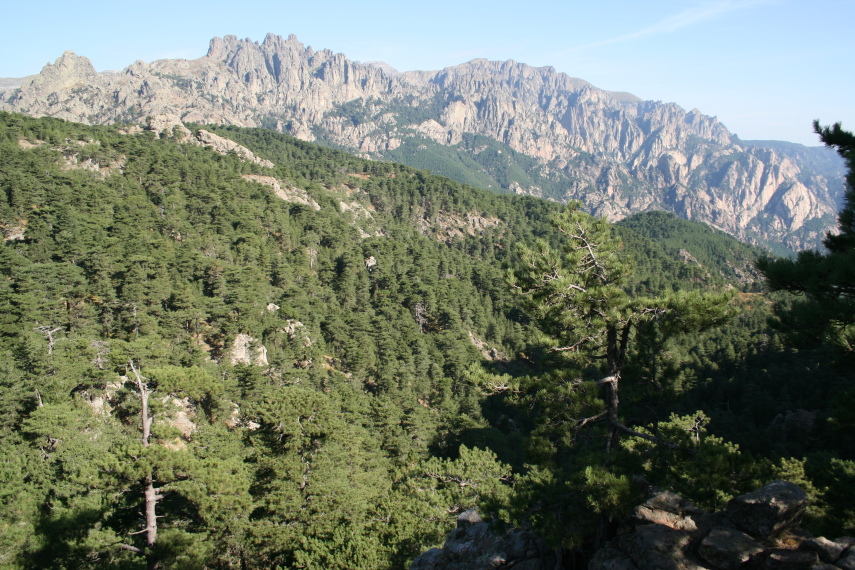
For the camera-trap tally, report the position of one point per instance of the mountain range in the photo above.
(504, 126)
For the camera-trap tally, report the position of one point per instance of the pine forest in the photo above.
(285, 356)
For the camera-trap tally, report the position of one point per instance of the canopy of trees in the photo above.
(824, 281)
(196, 372)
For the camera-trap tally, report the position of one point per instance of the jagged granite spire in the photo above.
(615, 152)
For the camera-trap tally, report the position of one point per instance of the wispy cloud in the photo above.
(684, 19)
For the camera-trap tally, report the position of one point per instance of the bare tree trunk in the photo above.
(151, 496)
(612, 402)
(420, 314)
(151, 561)
(613, 365)
(48, 332)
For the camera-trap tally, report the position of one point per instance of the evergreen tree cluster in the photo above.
(286, 386)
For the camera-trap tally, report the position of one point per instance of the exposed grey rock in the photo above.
(468, 518)
(287, 193)
(618, 154)
(666, 531)
(658, 547)
(13, 231)
(728, 549)
(226, 146)
(474, 546)
(772, 508)
(781, 559)
(168, 125)
(433, 558)
(669, 509)
(12, 82)
(828, 550)
(246, 350)
(384, 67)
(847, 561)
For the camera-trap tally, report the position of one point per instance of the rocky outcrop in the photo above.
(13, 230)
(247, 350)
(446, 227)
(759, 530)
(171, 126)
(616, 153)
(767, 511)
(287, 193)
(473, 546)
(226, 146)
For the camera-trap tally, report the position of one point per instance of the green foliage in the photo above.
(576, 294)
(701, 256)
(697, 464)
(332, 386)
(826, 312)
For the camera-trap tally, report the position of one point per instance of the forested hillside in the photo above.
(207, 362)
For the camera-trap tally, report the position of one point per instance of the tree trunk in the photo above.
(611, 382)
(151, 561)
(151, 496)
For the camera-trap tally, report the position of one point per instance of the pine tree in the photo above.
(824, 282)
(576, 294)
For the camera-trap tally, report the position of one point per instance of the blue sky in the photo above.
(765, 68)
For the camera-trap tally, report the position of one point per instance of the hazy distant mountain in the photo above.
(12, 82)
(500, 125)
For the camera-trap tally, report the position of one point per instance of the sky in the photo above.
(765, 68)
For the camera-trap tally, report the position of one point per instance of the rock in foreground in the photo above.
(666, 533)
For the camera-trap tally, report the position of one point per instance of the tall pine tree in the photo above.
(576, 294)
(823, 281)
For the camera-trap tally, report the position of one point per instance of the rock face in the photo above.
(166, 125)
(247, 350)
(618, 154)
(758, 530)
(766, 511)
(670, 533)
(473, 546)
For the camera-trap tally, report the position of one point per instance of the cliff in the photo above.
(504, 125)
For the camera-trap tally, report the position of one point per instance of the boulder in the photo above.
(658, 547)
(666, 532)
(847, 561)
(609, 558)
(669, 509)
(783, 559)
(769, 510)
(669, 532)
(727, 548)
(474, 546)
(827, 550)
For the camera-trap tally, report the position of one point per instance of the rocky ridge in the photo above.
(618, 154)
(758, 530)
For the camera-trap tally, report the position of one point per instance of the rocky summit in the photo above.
(504, 125)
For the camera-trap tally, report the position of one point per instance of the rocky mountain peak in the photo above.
(566, 138)
(384, 67)
(68, 71)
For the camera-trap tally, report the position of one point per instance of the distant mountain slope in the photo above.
(714, 252)
(500, 125)
(12, 82)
